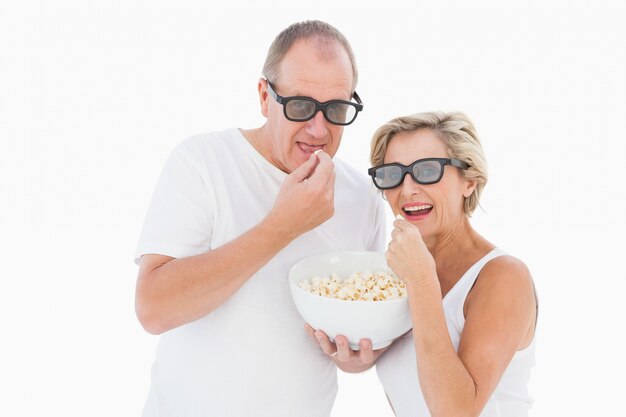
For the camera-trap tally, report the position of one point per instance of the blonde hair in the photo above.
(309, 29)
(455, 130)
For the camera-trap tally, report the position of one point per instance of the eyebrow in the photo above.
(298, 93)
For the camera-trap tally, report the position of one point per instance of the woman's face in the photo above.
(434, 208)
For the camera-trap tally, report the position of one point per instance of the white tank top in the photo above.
(397, 368)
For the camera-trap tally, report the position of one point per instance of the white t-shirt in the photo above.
(250, 356)
(397, 367)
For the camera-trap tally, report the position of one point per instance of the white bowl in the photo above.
(379, 321)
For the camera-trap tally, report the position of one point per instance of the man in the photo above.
(231, 213)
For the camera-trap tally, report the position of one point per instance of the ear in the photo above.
(470, 186)
(263, 95)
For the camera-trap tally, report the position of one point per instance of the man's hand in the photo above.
(306, 197)
(346, 359)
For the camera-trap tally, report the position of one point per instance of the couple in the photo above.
(234, 210)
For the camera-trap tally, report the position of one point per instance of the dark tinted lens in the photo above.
(427, 171)
(299, 109)
(389, 176)
(340, 112)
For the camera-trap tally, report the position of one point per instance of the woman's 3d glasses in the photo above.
(423, 171)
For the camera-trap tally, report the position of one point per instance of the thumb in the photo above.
(305, 170)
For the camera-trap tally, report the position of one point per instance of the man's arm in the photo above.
(174, 291)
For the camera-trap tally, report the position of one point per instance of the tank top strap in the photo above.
(455, 298)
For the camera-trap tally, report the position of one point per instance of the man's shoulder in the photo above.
(351, 174)
(210, 139)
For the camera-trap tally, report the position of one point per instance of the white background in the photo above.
(95, 94)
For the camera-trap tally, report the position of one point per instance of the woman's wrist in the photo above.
(423, 286)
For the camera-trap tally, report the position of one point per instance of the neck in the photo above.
(451, 240)
(456, 249)
(258, 138)
(255, 138)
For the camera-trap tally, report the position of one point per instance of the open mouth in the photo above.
(309, 148)
(418, 210)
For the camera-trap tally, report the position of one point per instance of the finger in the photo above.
(327, 346)
(399, 222)
(379, 352)
(321, 155)
(329, 193)
(344, 353)
(323, 170)
(311, 332)
(388, 255)
(395, 232)
(331, 180)
(366, 354)
(390, 259)
(305, 170)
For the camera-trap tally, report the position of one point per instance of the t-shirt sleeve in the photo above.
(179, 221)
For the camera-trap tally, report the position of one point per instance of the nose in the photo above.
(409, 186)
(316, 127)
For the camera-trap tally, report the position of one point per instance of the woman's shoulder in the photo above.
(505, 267)
(504, 276)
(504, 288)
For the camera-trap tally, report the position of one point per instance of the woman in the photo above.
(473, 307)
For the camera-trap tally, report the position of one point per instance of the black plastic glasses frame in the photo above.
(318, 106)
(409, 169)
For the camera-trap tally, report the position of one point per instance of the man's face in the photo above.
(322, 72)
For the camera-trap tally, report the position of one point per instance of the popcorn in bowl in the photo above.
(371, 303)
(359, 286)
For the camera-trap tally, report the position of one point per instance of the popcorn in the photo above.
(360, 286)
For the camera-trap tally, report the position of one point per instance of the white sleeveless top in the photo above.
(397, 368)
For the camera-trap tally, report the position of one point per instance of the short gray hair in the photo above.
(304, 30)
(456, 131)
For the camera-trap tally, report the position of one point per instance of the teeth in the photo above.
(310, 148)
(417, 208)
